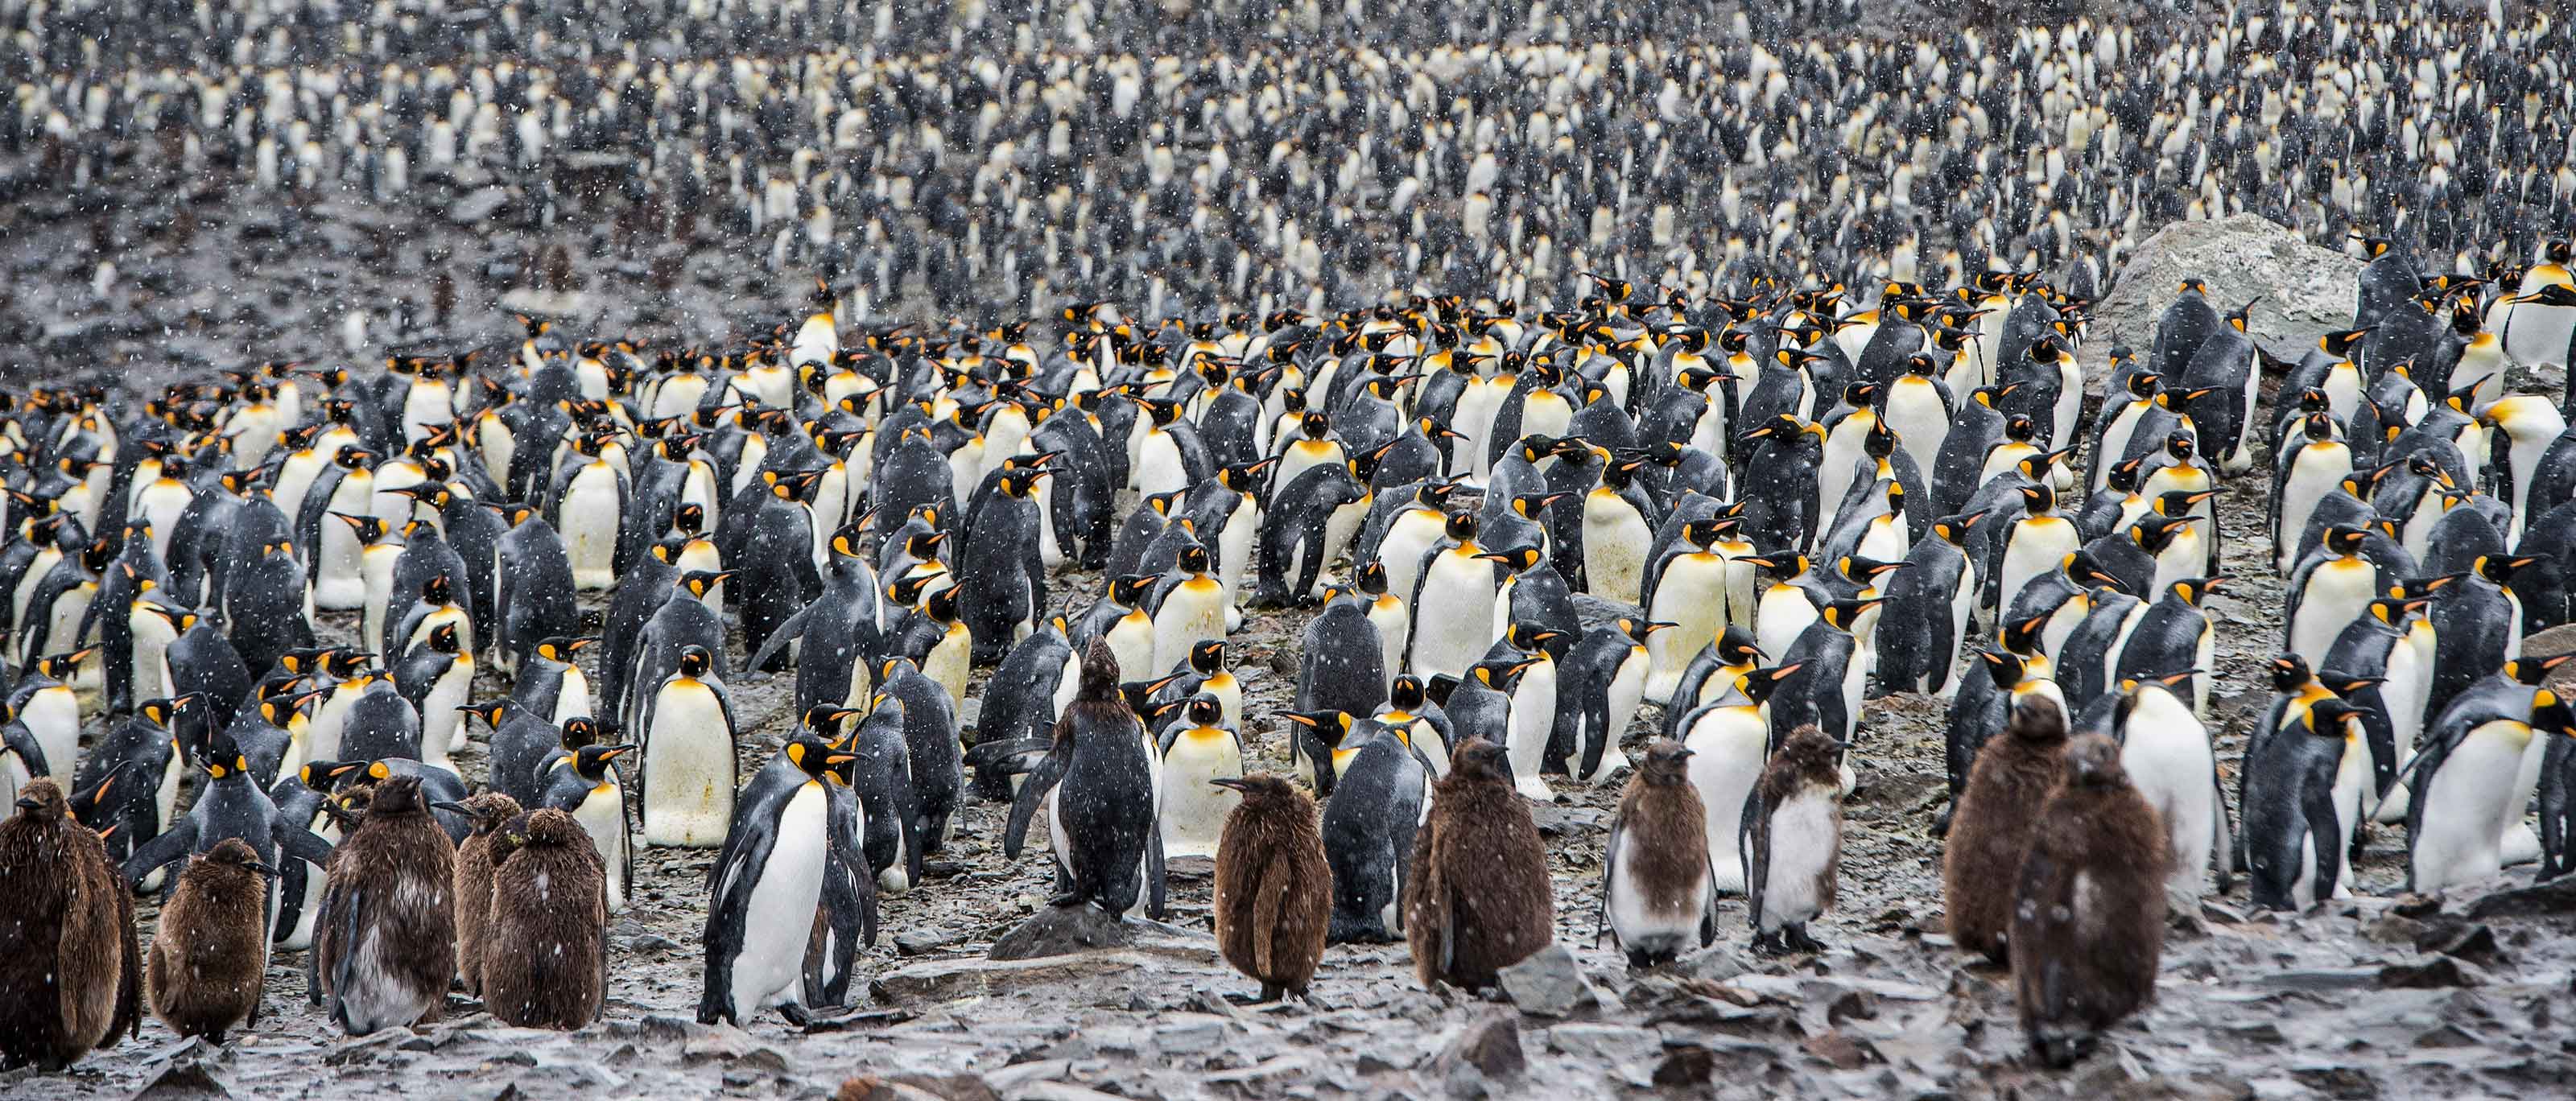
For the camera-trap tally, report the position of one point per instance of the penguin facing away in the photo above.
(1478, 899)
(1991, 829)
(209, 955)
(545, 959)
(1792, 838)
(71, 978)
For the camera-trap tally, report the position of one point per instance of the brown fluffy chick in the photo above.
(209, 958)
(1274, 891)
(70, 976)
(490, 811)
(1991, 828)
(2089, 914)
(1479, 899)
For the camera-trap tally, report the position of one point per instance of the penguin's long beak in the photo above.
(261, 869)
(455, 808)
(1233, 782)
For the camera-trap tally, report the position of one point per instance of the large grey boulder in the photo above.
(2306, 291)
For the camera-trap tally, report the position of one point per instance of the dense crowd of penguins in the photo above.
(1514, 532)
(1006, 156)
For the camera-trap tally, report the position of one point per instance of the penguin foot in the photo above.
(1769, 944)
(796, 1015)
(1068, 898)
(1799, 940)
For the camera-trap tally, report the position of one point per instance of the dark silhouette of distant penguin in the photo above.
(1274, 890)
(2089, 906)
(210, 952)
(474, 858)
(70, 977)
(1991, 829)
(385, 945)
(545, 951)
(1658, 890)
(1478, 900)
(1098, 784)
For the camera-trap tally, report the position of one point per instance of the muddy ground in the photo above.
(2375, 996)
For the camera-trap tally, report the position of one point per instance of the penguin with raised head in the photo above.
(795, 836)
(1925, 618)
(2332, 588)
(1792, 840)
(1658, 886)
(74, 977)
(1995, 818)
(1452, 604)
(588, 787)
(545, 951)
(1477, 898)
(385, 945)
(1273, 893)
(1097, 783)
(2087, 905)
(587, 503)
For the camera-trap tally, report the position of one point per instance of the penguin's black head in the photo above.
(2038, 499)
(352, 457)
(443, 639)
(825, 721)
(1759, 685)
(1478, 759)
(578, 731)
(1460, 527)
(2181, 445)
(695, 662)
(1193, 558)
(1207, 658)
(1205, 710)
(1846, 614)
(701, 582)
(596, 760)
(2500, 569)
(1315, 424)
(2343, 539)
(2144, 384)
(2534, 671)
(1406, 694)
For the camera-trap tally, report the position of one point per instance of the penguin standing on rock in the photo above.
(1658, 890)
(2087, 906)
(1097, 782)
(1991, 830)
(1478, 898)
(385, 946)
(1792, 838)
(209, 958)
(1273, 899)
(71, 978)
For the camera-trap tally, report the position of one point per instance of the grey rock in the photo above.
(1189, 1034)
(2305, 290)
(1549, 983)
(2440, 971)
(1060, 930)
(2558, 896)
(1490, 1045)
(947, 980)
(184, 1080)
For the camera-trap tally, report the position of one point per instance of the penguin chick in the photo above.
(385, 945)
(70, 976)
(1993, 823)
(1658, 890)
(1274, 891)
(545, 953)
(2089, 907)
(209, 954)
(490, 811)
(1793, 840)
(1478, 900)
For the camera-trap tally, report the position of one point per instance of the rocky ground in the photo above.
(2467, 995)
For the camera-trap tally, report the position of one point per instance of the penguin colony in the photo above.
(1007, 155)
(1805, 464)
(886, 512)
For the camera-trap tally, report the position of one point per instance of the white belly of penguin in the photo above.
(770, 969)
(1456, 611)
(337, 582)
(2404, 692)
(1727, 747)
(1194, 810)
(688, 769)
(603, 815)
(1401, 548)
(376, 568)
(2337, 591)
(1533, 718)
(1692, 597)
(2168, 758)
(1614, 547)
(2460, 841)
(1193, 612)
(1803, 846)
(53, 716)
(591, 517)
(1638, 921)
(572, 697)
